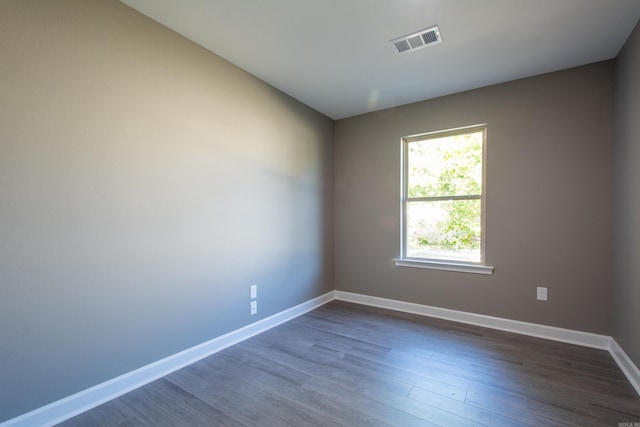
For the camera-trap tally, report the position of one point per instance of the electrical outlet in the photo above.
(542, 294)
(254, 307)
(253, 291)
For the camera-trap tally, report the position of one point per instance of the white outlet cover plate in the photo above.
(542, 294)
(253, 291)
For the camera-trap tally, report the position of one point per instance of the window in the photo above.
(443, 200)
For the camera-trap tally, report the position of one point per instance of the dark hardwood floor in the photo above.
(350, 365)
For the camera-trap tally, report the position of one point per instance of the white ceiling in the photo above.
(335, 55)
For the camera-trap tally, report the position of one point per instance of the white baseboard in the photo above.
(82, 401)
(627, 366)
(524, 328)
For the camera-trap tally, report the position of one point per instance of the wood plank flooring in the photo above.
(350, 365)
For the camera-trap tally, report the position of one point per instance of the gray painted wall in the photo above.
(144, 185)
(548, 200)
(626, 294)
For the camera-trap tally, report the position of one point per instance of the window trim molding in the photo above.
(458, 267)
(442, 264)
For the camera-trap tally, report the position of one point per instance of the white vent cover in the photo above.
(418, 40)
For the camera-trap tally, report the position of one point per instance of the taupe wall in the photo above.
(548, 200)
(626, 294)
(144, 185)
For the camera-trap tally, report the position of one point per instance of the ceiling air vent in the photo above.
(417, 40)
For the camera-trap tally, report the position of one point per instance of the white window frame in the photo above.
(442, 264)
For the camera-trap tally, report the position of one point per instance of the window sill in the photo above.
(444, 265)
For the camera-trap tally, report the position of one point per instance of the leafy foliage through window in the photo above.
(442, 195)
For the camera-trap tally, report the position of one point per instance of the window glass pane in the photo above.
(446, 166)
(449, 229)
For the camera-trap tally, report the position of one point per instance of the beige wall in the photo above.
(145, 183)
(626, 295)
(548, 200)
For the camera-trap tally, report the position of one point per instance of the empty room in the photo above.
(319, 213)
